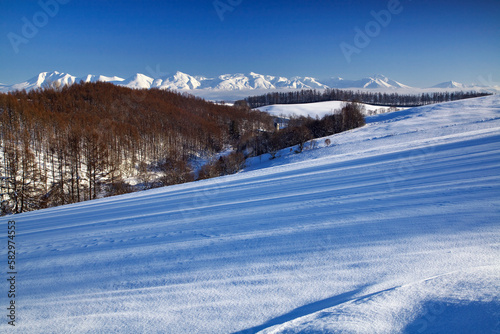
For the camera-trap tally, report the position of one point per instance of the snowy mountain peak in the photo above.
(380, 76)
(45, 78)
(138, 81)
(379, 80)
(182, 75)
(42, 80)
(179, 80)
(449, 84)
(99, 78)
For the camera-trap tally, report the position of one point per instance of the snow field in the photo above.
(319, 109)
(392, 228)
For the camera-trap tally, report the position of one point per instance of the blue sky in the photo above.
(421, 44)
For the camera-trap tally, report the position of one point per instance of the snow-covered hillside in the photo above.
(392, 228)
(318, 109)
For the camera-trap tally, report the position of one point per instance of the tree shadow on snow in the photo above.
(303, 311)
(440, 317)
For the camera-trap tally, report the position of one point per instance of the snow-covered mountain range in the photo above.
(178, 81)
(225, 82)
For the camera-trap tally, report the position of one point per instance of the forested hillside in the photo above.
(81, 142)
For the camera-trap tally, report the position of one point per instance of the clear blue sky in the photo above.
(425, 43)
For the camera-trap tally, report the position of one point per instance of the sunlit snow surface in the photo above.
(395, 227)
(319, 109)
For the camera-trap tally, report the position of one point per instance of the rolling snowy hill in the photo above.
(318, 109)
(393, 228)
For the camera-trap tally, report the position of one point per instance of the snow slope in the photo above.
(392, 228)
(319, 109)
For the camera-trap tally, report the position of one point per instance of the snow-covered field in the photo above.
(318, 109)
(394, 227)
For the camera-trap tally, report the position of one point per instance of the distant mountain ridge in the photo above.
(226, 82)
(375, 81)
(450, 84)
(178, 81)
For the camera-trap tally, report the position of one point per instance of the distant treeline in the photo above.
(382, 99)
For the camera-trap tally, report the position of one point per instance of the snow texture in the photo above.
(392, 228)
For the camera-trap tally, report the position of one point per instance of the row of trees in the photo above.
(385, 99)
(81, 142)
